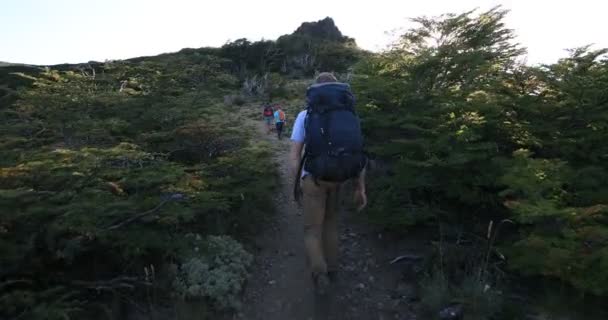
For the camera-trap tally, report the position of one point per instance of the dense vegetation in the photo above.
(468, 135)
(311, 48)
(111, 171)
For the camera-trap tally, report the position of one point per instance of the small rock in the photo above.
(454, 312)
(361, 286)
(272, 282)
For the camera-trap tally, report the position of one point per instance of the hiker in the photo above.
(279, 118)
(268, 116)
(330, 132)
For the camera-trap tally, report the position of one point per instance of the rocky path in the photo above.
(369, 286)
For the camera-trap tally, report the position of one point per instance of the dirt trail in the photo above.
(369, 286)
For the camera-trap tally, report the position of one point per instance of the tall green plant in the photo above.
(464, 132)
(433, 107)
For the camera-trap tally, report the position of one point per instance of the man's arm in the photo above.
(360, 192)
(361, 180)
(295, 156)
(298, 136)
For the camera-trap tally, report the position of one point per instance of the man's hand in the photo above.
(360, 198)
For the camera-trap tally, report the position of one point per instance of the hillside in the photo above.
(145, 187)
(126, 178)
(9, 64)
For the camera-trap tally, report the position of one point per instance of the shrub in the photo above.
(468, 134)
(464, 273)
(234, 99)
(96, 184)
(217, 273)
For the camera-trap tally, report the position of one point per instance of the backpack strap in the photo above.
(306, 152)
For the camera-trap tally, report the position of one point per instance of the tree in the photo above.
(439, 116)
(467, 135)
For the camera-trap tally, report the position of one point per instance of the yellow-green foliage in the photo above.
(465, 134)
(105, 167)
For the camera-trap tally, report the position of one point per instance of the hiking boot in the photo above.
(321, 283)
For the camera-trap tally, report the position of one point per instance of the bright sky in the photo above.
(58, 31)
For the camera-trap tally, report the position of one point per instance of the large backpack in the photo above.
(334, 143)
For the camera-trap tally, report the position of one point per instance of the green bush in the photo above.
(466, 134)
(235, 99)
(97, 182)
(216, 273)
(434, 115)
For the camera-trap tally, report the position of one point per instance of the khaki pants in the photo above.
(320, 204)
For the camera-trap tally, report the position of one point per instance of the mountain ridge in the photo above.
(324, 30)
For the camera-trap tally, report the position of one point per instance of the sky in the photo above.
(71, 31)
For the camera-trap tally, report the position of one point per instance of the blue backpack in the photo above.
(334, 142)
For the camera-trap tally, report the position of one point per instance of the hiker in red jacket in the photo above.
(268, 116)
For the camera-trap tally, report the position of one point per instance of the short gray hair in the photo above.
(326, 77)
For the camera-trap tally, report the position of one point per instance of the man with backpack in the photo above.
(268, 116)
(330, 132)
(279, 119)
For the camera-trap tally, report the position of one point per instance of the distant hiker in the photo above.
(329, 130)
(268, 116)
(279, 119)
